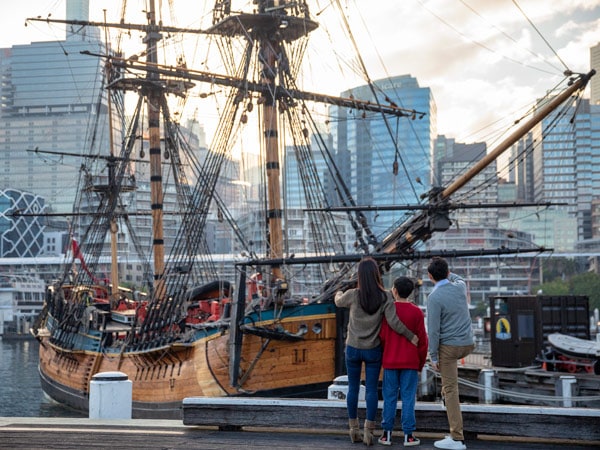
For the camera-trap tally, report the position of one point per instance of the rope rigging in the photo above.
(275, 62)
(370, 83)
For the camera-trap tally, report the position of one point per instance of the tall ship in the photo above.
(266, 324)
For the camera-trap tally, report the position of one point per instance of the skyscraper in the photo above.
(53, 104)
(21, 231)
(595, 82)
(364, 145)
(563, 167)
(482, 189)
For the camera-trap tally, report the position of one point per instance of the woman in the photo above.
(367, 303)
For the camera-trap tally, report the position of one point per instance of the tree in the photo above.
(587, 284)
(555, 287)
(554, 268)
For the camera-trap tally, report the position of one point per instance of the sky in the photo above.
(482, 59)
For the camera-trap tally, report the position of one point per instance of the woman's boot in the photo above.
(355, 435)
(368, 432)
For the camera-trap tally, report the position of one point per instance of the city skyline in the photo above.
(498, 61)
(428, 107)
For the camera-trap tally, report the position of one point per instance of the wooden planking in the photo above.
(54, 433)
(281, 363)
(169, 374)
(166, 376)
(69, 369)
(503, 420)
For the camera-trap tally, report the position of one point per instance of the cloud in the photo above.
(480, 58)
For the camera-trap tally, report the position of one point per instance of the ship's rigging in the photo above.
(277, 35)
(179, 326)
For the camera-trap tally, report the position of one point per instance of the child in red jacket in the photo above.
(402, 362)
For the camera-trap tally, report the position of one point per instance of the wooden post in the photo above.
(565, 388)
(235, 334)
(488, 378)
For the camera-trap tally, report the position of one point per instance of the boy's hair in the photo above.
(404, 286)
(438, 268)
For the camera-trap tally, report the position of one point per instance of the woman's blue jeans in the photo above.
(405, 381)
(355, 358)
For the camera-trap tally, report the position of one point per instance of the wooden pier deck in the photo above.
(271, 423)
(502, 421)
(59, 433)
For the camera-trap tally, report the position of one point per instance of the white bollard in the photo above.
(339, 389)
(565, 388)
(489, 383)
(110, 396)
(424, 381)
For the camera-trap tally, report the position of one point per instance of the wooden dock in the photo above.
(525, 422)
(524, 386)
(59, 433)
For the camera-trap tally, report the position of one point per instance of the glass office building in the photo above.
(53, 108)
(365, 148)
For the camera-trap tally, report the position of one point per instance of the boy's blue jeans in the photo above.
(405, 381)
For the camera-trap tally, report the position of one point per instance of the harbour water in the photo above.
(20, 391)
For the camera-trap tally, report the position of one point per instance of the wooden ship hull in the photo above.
(271, 363)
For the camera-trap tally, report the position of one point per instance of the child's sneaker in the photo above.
(410, 440)
(386, 438)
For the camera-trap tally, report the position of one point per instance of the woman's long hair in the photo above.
(371, 292)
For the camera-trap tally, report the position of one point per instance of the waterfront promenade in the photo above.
(64, 433)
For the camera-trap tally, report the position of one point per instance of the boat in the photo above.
(574, 346)
(21, 301)
(572, 354)
(198, 332)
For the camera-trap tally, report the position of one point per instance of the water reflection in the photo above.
(20, 391)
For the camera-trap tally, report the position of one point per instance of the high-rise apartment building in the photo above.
(364, 145)
(566, 161)
(53, 104)
(595, 81)
(521, 168)
(482, 189)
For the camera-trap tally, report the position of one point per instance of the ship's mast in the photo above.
(156, 186)
(275, 22)
(269, 49)
(114, 227)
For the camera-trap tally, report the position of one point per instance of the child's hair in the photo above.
(404, 286)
